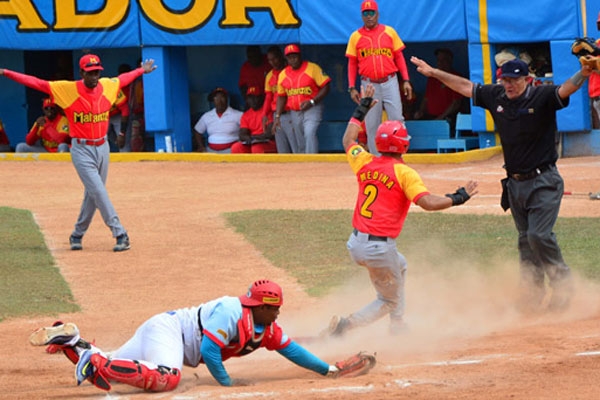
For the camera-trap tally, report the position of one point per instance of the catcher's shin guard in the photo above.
(134, 373)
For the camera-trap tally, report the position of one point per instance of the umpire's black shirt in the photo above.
(527, 124)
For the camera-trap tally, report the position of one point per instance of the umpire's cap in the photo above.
(263, 292)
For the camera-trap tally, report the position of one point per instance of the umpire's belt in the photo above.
(372, 238)
(531, 174)
(91, 142)
(381, 80)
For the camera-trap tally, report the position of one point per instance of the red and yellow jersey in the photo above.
(53, 133)
(386, 187)
(376, 51)
(271, 92)
(121, 105)
(252, 120)
(301, 84)
(86, 109)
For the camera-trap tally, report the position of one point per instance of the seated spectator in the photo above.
(253, 70)
(439, 101)
(221, 124)
(50, 132)
(253, 139)
(4, 142)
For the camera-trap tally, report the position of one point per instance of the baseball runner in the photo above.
(525, 117)
(206, 334)
(386, 188)
(49, 133)
(301, 88)
(375, 53)
(87, 103)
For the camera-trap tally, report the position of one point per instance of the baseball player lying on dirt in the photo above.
(209, 333)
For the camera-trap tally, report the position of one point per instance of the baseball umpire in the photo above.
(87, 103)
(386, 188)
(206, 334)
(525, 117)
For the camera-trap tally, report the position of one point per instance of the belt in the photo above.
(372, 238)
(595, 98)
(91, 142)
(531, 174)
(382, 80)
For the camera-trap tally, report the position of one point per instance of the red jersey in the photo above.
(53, 133)
(378, 52)
(252, 120)
(594, 84)
(254, 76)
(3, 138)
(86, 109)
(271, 92)
(386, 187)
(301, 84)
(439, 96)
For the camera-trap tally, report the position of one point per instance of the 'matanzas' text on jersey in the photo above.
(301, 84)
(386, 187)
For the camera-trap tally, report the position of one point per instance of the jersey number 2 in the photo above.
(370, 191)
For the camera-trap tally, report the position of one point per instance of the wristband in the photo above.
(362, 109)
(459, 197)
(355, 121)
(578, 79)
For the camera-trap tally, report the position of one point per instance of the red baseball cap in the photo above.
(291, 49)
(90, 62)
(48, 103)
(212, 94)
(369, 5)
(254, 91)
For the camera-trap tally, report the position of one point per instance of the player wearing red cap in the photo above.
(49, 133)
(386, 189)
(253, 138)
(86, 104)
(375, 53)
(301, 88)
(206, 334)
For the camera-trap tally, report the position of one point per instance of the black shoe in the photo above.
(75, 242)
(122, 243)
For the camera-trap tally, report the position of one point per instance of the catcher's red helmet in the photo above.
(263, 292)
(392, 137)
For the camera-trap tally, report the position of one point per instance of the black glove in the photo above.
(459, 197)
(362, 109)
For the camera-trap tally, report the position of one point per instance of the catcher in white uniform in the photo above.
(209, 333)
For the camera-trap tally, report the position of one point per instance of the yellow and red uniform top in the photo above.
(386, 187)
(378, 52)
(53, 133)
(86, 109)
(301, 84)
(121, 105)
(270, 104)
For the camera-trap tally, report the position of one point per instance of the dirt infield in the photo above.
(465, 340)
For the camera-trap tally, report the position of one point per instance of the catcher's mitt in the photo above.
(355, 365)
(585, 47)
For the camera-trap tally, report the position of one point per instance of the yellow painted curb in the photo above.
(414, 158)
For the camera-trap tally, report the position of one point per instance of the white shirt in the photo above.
(223, 129)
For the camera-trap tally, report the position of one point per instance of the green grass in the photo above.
(30, 283)
(311, 245)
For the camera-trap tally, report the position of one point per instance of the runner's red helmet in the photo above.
(392, 137)
(263, 292)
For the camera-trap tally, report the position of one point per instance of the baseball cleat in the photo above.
(122, 243)
(59, 334)
(75, 242)
(84, 368)
(595, 196)
(338, 325)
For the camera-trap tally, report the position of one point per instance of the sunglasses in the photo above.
(92, 65)
(48, 108)
(368, 13)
